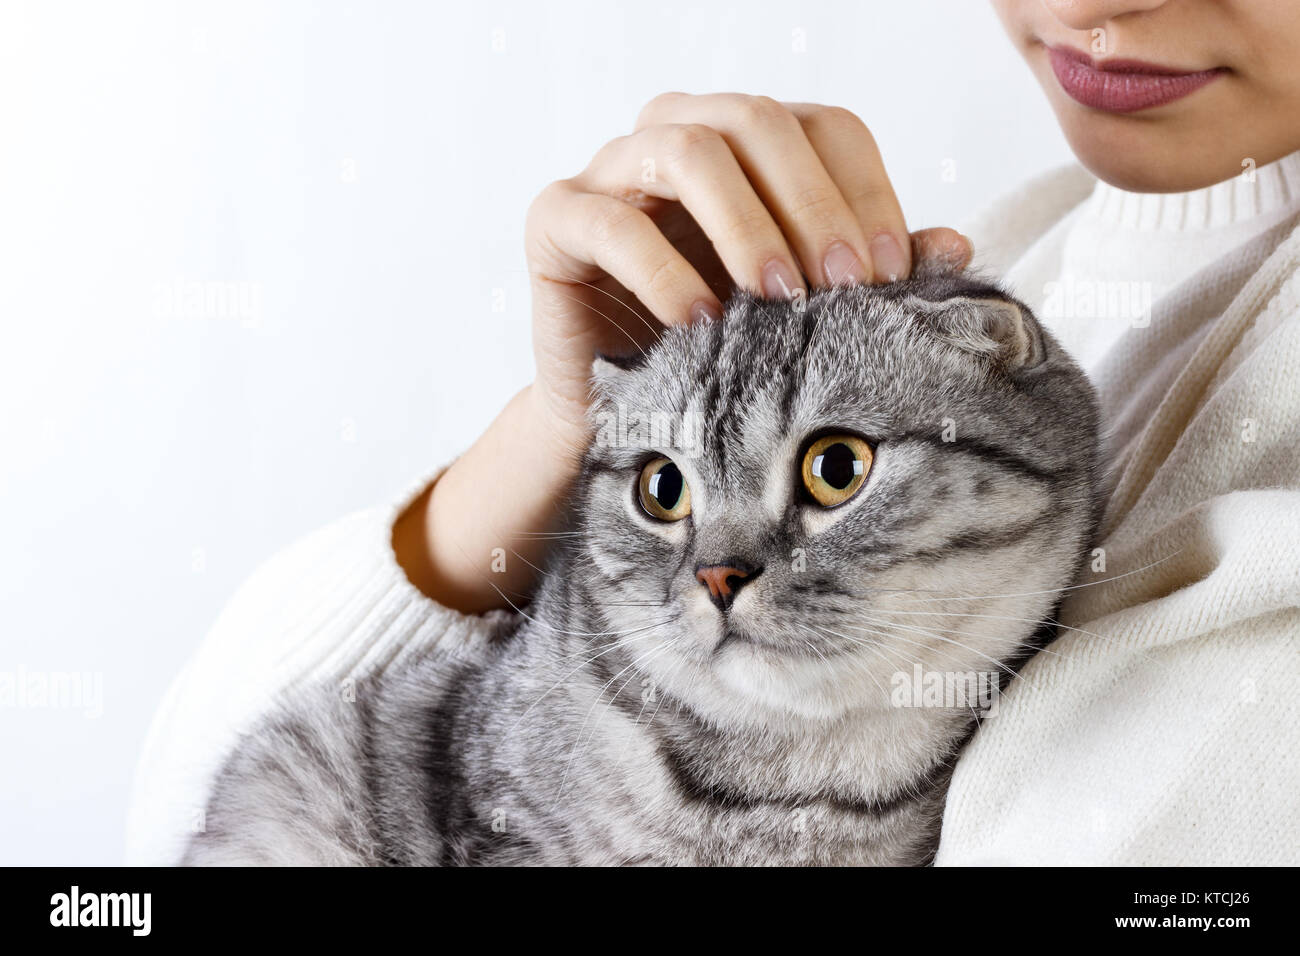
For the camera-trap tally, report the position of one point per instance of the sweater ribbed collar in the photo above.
(1264, 192)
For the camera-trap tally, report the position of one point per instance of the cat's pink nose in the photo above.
(724, 580)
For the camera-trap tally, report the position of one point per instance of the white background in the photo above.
(360, 173)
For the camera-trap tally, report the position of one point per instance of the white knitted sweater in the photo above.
(1160, 729)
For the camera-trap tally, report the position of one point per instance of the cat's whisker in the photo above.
(918, 662)
(538, 621)
(652, 325)
(639, 714)
(898, 650)
(569, 602)
(1029, 645)
(632, 666)
(595, 288)
(824, 631)
(563, 680)
(813, 647)
(910, 659)
(1021, 620)
(678, 698)
(588, 648)
(866, 670)
(1071, 587)
(873, 589)
(881, 650)
(526, 561)
(893, 624)
(573, 751)
(628, 335)
(559, 630)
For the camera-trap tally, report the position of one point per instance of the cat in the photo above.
(786, 519)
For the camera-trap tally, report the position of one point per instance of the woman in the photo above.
(1160, 729)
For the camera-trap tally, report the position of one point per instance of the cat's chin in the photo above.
(782, 681)
(735, 635)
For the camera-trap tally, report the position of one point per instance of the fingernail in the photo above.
(842, 265)
(779, 281)
(703, 311)
(887, 258)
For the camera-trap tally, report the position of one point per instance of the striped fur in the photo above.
(626, 719)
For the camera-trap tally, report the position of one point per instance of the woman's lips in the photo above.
(1122, 86)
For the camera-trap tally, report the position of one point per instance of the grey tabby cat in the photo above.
(888, 481)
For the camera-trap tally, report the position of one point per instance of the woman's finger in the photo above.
(849, 152)
(786, 172)
(940, 250)
(571, 232)
(692, 164)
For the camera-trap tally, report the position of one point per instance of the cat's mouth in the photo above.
(732, 636)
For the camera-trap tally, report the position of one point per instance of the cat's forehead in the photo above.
(770, 365)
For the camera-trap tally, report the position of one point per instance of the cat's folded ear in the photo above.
(608, 373)
(999, 329)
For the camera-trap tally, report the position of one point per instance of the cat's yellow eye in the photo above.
(834, 468)
(663, 491)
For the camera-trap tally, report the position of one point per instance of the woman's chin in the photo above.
(1144, 158)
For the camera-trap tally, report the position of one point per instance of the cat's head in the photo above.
(786, 509)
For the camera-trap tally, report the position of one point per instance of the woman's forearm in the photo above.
(475, 541)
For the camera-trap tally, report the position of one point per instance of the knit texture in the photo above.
(1160, 729)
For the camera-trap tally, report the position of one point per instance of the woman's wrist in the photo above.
(564, 423)
(474, 541)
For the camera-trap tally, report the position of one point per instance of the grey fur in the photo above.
(623, 718)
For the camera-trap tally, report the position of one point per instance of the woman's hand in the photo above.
(706, 191)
